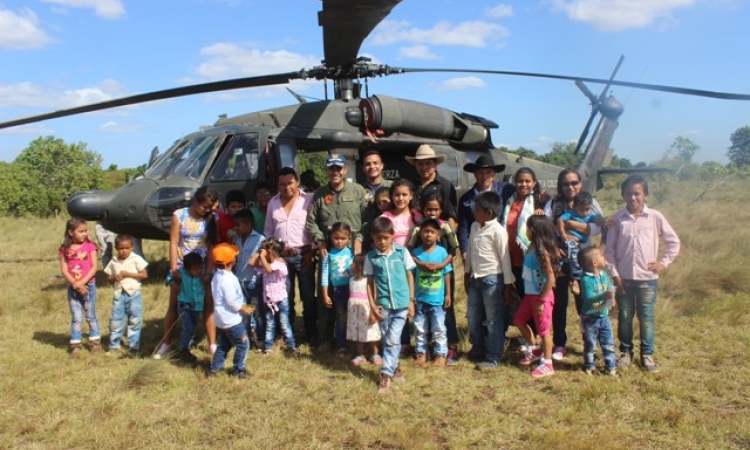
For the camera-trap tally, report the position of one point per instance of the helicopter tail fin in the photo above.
(598, 154)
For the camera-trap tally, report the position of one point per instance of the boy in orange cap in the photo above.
(229, 305)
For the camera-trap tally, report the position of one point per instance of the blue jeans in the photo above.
(306, 281)
(390, 329)
(486, 310)
(597, 329)
(254, 297)
(639, 298)
(190, 320)
(432, 316)
(83, 305)
(286, 327)
(128, 307)
(340, 300)
(571, 257)
(235, 336)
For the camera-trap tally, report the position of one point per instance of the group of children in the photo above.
(407, 274)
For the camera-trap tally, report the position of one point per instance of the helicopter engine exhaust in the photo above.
(393, 115)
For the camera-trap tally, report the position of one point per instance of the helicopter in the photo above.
(238, 152)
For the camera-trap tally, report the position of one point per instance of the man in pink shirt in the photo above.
(632, 255)
(286, 217)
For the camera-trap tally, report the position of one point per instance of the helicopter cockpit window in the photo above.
(240, 160)
(193, 160)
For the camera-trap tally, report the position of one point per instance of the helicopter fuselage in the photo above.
(238, 152)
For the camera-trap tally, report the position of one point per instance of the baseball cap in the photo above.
(335, 159)
(224, 253)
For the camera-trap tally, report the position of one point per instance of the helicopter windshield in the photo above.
(187, 157)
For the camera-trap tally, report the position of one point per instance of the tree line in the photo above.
(40, 180)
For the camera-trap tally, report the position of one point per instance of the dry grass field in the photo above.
(700, 399)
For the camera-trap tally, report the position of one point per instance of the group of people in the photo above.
(384, 252)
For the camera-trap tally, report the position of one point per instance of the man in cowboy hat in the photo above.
(484, 172)
(426, 162)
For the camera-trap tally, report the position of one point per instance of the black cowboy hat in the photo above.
(483, 162)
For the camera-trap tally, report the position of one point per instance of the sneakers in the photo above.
(612, 372)
(486, 365)
(385, 384)
(162, 351)
(543, 370)
(523, 346)
(341, 353)
(421, 360)
(398, 376)
(530, 357)
(452, 357)
(590, 370)
(187, 357)
(648, 364)
(376, 359)
(240, 374)
(625, 360)
(357, 361)
(558, 353)
(293, 352)
(95, 347)
(75, 350)
(440, 362)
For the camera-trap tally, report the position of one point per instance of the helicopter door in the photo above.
(238, 165)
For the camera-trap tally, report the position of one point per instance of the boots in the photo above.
(75, 350)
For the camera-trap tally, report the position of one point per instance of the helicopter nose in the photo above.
(90, 205)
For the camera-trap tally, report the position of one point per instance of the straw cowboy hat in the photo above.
(425, 152)
(483, 162)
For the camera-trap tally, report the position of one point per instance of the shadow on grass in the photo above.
(56, 340)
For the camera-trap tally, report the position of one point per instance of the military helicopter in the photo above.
(237, 152)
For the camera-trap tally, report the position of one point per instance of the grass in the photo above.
(701, 398)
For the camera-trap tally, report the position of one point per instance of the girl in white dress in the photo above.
(361, 326)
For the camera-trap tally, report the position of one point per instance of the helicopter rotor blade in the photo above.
(645, 86)
(215, 86)
(595, 103)
(585, 132)
(611, 77)
(346, 24)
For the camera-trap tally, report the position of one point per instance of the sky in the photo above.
(56, 54)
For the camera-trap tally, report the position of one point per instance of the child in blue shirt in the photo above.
(582, 211)
(431, 204)
(390, 287)
(248, 241)
(432, 294)
(598, 296)
(336, 270)
(190, 301)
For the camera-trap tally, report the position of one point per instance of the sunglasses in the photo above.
(570, 183)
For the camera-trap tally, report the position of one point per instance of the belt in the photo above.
(296, 251)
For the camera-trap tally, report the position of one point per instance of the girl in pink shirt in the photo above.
(78, 266)
(403, 213)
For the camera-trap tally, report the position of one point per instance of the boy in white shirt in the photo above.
(229, 306)
(126, 271)
(488, 277)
